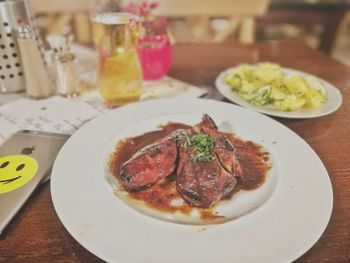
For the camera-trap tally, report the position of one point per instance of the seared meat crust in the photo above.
(224, 149)
(149, 165)
(202, 184)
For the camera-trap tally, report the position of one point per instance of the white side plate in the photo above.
(333, 101)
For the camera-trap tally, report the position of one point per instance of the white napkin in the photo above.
(63, 115)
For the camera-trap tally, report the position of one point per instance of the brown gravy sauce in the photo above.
(253, 159)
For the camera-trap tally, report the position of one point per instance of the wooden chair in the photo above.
(198, 16)
(195, 16)
(341, 31)
(64, 16)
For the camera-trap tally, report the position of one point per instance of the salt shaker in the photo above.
(37, 80)
(67, 81)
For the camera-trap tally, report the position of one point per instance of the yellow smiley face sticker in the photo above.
(16, 171)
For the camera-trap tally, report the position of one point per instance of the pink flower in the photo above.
(132, 8)
(153, 25)
(143, 10)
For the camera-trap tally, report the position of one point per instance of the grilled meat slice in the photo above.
(150, 164)
(207, 164)
(224, 149)
(201, 184)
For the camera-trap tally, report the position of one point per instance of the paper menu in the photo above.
(63, 115)
(55, 114)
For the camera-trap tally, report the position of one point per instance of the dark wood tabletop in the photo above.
(37, 235)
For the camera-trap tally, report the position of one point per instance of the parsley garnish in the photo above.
(203, 146)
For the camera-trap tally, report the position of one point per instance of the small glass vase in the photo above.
(155, 56)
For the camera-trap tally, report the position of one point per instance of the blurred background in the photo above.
(320, 24)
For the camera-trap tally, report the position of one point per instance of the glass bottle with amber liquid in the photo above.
(119, 75)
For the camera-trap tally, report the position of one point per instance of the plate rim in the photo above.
(91, 123)
(221, 86)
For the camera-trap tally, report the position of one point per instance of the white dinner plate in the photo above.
(283, 221)
(333, 98)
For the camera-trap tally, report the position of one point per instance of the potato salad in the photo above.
(268, 84)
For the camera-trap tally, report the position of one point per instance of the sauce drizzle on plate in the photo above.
(163, 196)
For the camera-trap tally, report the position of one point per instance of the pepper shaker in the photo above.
(37, 81)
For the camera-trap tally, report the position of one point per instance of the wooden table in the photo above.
(37, 235)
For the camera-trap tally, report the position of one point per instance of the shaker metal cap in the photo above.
(25, 31)
(61, 47)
